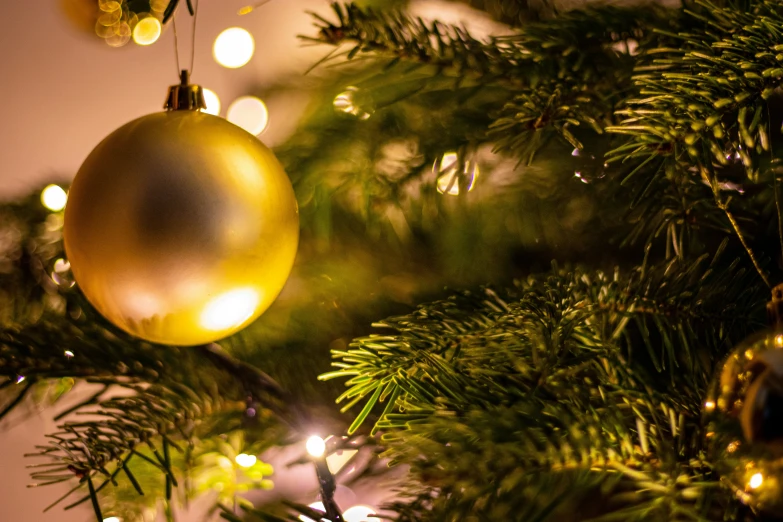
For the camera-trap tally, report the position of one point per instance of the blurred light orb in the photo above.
(319, 506)
(112, 519)
(54, 198)
(234, 47)
(756, 480)
(451, 171)
(246, 461)
(213, 102)
(355, 102)
(360, 514)
(316, 446)
(62, 274)
(250, 113)
(147, 31)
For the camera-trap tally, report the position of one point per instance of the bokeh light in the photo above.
(213, 102)
(360, 514)
(112, 519)
(54, 198)
(234, 47)
(245, 460)
(250, 113)
(449, 169)
(756, 480)
(147, 31)
(315, 446)
(315, 505)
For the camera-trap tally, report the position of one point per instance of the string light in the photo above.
(250, 113)
(245, 460)
(54, 198)
(112, 519)
(147, 31)
(319, 506)
(213, 102)
(234, 47)
(20, 379)
(68, 354)
(360, 514)
(709, 405)
(316, 446)
(756, 480)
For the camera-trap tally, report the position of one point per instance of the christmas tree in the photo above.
(527, 267)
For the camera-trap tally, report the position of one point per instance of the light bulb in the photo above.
(54, 198)
(213, 102)
(147, 31)
(245, 460)
(315, 446)
(250, 113)
(234, 47)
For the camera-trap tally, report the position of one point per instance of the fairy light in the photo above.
(250, 113)
(316, 446)
(147, 31)
(756, 480)
(318, 506)
(360, 514)
(69, 354)
(246, 461)
(20, 379)
(54, 198)
(709, 405)
(213, 102)
(234, 47)
(112, 519)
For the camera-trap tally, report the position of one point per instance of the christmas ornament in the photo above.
(588, 167)
(181, 228)
(744, 417)
(455, 174)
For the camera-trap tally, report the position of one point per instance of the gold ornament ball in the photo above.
(181, 228)
(743, 416)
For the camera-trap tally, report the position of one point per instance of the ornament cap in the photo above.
(775, 307)
(185, 97)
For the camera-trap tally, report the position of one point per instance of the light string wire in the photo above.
(192, 41)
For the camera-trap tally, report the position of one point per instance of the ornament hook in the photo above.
(185, 97)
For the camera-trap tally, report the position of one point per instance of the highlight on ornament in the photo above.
(246, 461)
(213, 102)
(234, 47)
(147, 31)
(250, 113)
(451, 171)
(230, 309)
(54, 198)
(316, 446)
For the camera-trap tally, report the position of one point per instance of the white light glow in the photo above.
(213, 102)
(756, 480)
(315, 505)
(360, 514)
(315, 446)
(250, 113)
(230, 309)
(147, 31)
(245, 460)
(54, 198)
(112, 519)
(234, 47)
(448, 174)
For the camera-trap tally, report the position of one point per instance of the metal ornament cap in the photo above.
(185, 96)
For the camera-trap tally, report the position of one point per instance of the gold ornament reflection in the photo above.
(181, 228)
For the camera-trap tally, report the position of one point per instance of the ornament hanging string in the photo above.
(193, 9)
